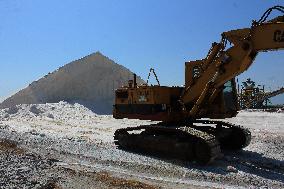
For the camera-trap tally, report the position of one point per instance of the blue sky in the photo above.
(37, 37)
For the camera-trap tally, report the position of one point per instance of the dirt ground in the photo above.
(67, 146)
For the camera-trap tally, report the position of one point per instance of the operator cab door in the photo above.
(230, 97)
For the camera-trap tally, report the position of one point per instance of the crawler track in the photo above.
(179, 142)
(230, 136)
(198, 143)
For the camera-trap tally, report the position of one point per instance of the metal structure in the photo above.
(272, 94)
(209, 92)
(252, 96)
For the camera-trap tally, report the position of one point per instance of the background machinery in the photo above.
(209, 92)
(254, 96)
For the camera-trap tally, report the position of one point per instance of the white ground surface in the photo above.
(81, 140)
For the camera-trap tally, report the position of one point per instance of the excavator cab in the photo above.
(230, 98)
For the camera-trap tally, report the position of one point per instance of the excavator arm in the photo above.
(222, 65)
(247, 43)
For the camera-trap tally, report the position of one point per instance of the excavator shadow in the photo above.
(254, 163)
(245, 161)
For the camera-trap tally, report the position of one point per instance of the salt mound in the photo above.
(60, 111)
(90, 81)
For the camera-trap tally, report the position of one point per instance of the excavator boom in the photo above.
(222, 64)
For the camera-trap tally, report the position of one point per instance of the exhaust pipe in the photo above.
(135, 82)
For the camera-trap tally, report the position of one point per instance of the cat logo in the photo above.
(278, 36)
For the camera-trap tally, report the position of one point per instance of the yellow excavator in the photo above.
(209, 92)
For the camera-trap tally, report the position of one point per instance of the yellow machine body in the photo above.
(209, 90)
